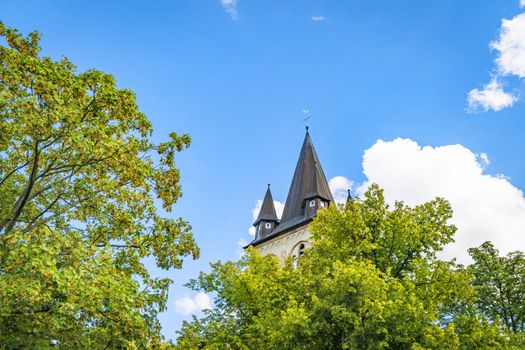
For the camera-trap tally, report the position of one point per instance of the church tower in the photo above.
(309, 193)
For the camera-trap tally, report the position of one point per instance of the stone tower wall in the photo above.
(286, 245)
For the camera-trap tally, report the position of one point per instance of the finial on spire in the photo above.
(268, 186)
(306, 113)
(349, 198)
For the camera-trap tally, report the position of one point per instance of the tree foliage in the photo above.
(370, 280)
(500, 285)
(79, 178)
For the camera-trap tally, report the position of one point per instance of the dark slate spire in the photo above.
(267, 212)
(309, 182)
(267, 219)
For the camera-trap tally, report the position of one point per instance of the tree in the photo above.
(500, 285)
(370, 280)
(79, 177)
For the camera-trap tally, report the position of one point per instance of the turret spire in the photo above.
(267, 212)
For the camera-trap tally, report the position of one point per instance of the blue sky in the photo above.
(237, 76)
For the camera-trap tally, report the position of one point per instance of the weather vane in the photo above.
(307, 116)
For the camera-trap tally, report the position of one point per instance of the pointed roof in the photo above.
(308, 181)
(267, 212)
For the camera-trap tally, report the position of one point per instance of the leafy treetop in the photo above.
(79, 177)
(370, 280)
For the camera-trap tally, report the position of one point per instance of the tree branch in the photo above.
(14, 171)
(21, 202)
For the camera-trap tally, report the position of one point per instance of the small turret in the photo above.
(349, 200)
(267, 219)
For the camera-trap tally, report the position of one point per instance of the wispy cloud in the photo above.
(230, 6)
(320, 18)
(241, 243)
(510, 62)
(188, 305)
(490, 97)
(483, 159)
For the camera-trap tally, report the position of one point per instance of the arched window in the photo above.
(312, 203)
(297, 252)
(301, 249)
(268, 225)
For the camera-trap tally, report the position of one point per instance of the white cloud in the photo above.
(255, 212)
(485, 207)
(522, 3)
(187, 305)
(320, 18)
(510, 61)
(241, 243)
(484, 158)
(231, 8)
(511, 46)
(491, 96)
(339, 185)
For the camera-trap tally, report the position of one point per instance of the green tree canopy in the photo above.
(370, 280)
(500, 285)
(79, 178)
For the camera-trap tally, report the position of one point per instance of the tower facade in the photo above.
(309, 193)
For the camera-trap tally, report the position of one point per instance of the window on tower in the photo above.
(312, 203)
(297, 253)
(268, 225)
(301, 249)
